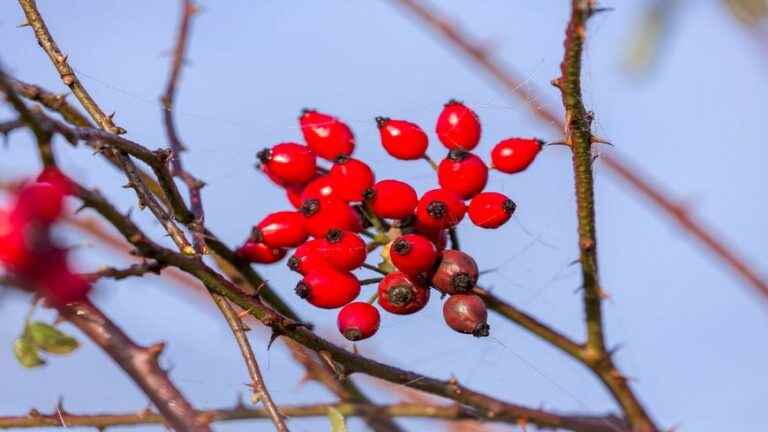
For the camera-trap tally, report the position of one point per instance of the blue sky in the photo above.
(688, 327)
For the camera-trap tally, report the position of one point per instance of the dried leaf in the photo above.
(26, 353)
(749, 12)
(50, 339)
(338, 424)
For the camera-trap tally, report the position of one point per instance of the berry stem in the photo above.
(373, 298)
(370, 281)
(430, 161)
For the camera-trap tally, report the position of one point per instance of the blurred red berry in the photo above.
(326, 135)
(321, 215)
(402, 139)
(350, 178)
(289, 163)
(257, 252)
(490, 209)
(42, 202)
(440, 208)
(413, 254)
(515, 154)
(463, 173)
(328, 288)
(458, 127)
(55, 177)
(342, 250)
(14, 253)
(401, 295)
(391, 199)
(358, 320)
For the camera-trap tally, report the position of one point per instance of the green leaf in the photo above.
(50, 339)
(337, 420)
(26, 353)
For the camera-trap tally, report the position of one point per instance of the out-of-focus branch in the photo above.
(193, 184)
(138, 362)
(258, 386)
(512, 83)
(134, 270)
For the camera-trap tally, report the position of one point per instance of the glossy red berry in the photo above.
(391, 199)
(293, 193)
(342, 250)
(257, 252)
(307, 257)
(358, 320)
(350, 178)
(490, 209)
(402, 295)
(456, 273)
(413, 254)
(402, 139)
(458, 127)
(467, 313)
(326, 135)
(281, 229)
(14, 253)
(439, 209)
(289, 163)
(42, 202)
(328, 288)
(321, 187)
(463, 173)
(515, 154)
(321, 215)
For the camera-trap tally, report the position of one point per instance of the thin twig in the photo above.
(134, 270)
(258, 386)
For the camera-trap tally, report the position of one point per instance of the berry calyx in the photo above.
(515, 154)
(456, 273)
(458, 127)
(307, 257)
(402, 295)
(326, 135)
(439, 209)
(402, 139)
(490, 210)
(391, 199)
(342, 250)
(358, 321)
(328, 288)
(261, 253)
(281, 229)
(413, 254)
(350, 178)
(323, 215)
(467, 313)
(463, 173)
(289, 163)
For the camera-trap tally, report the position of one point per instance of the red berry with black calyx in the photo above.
(515, 154)
(320, 187)
(391, 199)
(402, 295)
(413, 254)
(289, 163)
(490, 210)
(326, 135)
(328, 288)
(402, 139)
(41, 202)
(463, 173)
(458, 127)
(350, 178)
(456, 273)
(258, 252)
(467, 313)
(307, 257)
(281, 229)
(358, 321)
(440, 209)
(342, 250)
(322, 215)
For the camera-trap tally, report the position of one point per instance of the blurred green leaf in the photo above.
(26, 353)
(649, 34)
(749, 12)
(337, 420)
(50, 339)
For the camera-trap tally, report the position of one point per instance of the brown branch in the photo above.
(193, 184)
(134, 270)
(138, 362)
(513, 83)
(258, 386)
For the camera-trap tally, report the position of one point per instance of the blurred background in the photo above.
(679, 88)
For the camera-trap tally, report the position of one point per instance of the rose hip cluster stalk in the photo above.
(334, 206)
(27, 251)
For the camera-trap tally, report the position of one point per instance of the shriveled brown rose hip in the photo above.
(466, 313)
(456, 273)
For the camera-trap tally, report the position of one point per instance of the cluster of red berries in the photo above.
(27, 251)
(335, 206)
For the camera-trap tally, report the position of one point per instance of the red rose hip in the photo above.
(350, 178)
(413, 254)
(358, 321)
(402, 139)
(458, 127)
(463, 173)
(326, 135)
(439, 209)
(307, 257)
(289, 163)
(490, 210)
(281, 229)
(456, 273)
(320, 187)
(515, 154)
(321, 215)
(391, 199)
(342, 250)
(467, 313)
(258, 252)
(402, 295)
(327, 288)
